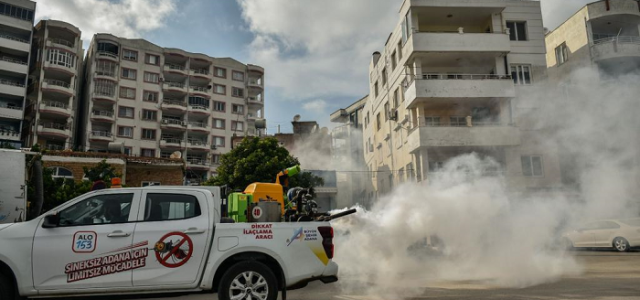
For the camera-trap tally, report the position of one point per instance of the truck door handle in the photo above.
(118, 233)
(194, 230)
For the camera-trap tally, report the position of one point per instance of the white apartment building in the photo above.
(447, 83)
(54, 90)
(16, 27)
(156, 101)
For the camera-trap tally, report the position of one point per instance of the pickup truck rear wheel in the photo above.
(7, 290)
(248, 280)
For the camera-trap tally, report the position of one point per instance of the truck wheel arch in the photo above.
(266, 259)
(8, 273)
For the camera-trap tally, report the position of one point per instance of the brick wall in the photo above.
(77, 167)
(166, 175)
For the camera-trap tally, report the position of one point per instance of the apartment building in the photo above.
(54, 90)
(605, 34)
(447, 82)
(154, 101)
(348, 155)
(16, 28)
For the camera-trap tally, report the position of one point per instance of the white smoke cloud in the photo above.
(318, 105)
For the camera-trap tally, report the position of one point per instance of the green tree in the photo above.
(103, 171)
(259, 160)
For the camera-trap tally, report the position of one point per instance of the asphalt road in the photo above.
(607, 276)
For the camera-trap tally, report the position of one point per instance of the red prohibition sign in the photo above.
(165, 260)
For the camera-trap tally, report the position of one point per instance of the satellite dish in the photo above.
(296, 118)
(176, 155)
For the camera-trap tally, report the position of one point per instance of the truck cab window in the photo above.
(165, 207)
(102, 209)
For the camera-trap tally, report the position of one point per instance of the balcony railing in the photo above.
(606, 38)
(195, 142)
(198, 124)
(54, 147)
(174, 67)
(172, 140)
(197, 161)
(107, 54)
(198, 107)
(463, 77)
(52, 125)
(199, 88)
(9, 132)
(62, 42)
(10, 106)
(201, 71)
(174, 102)
(13, 38)
(257, 99)
(173, 122)
(102, 72)
(102, 113)
(174, 84)
(13, 60)
(57, 83)
(11, 82)
(55, 104)
(101, 134)
(431, 123)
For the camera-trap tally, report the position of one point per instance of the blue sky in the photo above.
(315, 53)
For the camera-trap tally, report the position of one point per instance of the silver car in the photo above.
(619, 234)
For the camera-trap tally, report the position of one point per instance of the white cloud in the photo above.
(126, 18)
(317, 106)
(318, 49)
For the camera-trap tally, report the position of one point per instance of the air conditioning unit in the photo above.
(393, 115)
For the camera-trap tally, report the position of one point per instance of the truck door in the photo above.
(92, 245)
(176, 225)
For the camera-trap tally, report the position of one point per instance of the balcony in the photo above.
(252, 117)
(67, 69)
(458, 42)
(55, 108)
(174, 104)
(11, 111)
(199, 90)
(102, 116)
(612, 47)
(62, 44)
(254, 68)
(11, 87)
(16, 43)
(198, 126)
(101, 136)
(199, 109)
(197, 163)
(195, 144)
(13, 65)
(54, 130)
(104, 96)
(455, 86)
(58, 86)
(200, 73)
(255, 84)
(175, 69)
(489, 135)
(600, 9)
(170, 142)
(173, 124)
(106, 74)
(9, 134)
(255, 102)
(108, 56)
(172, 86)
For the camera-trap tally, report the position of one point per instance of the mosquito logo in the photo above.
(297, 235)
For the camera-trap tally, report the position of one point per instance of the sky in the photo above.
(315, 53)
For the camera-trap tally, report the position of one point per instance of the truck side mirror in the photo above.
(51, 221)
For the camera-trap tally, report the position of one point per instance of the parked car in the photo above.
(619, 234)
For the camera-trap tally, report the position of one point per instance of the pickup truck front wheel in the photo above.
(248, 280)
(7, 290)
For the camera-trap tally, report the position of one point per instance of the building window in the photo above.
(378, 123)
(148, 134)
(150, 183)
(219, 106)
(105, 87)
(517, 30)
(384, 76)
(237, 109)
(60, 172)
(148, 153)
(399, 51)
(105, 68)
(386, 111)
(432, 121)
(218, 123)
(152, 59)
(220, 72)
(521, 74)
(237, 92)
(532, 166)
(16, 12)
(215, 158)
(128, 151)
(127, 93)
(458, 121)
(124, 131)
(149, 115)
(394, 62)
(218, 141)
(562, 54)
(151, 77)
(237, 126)
(396, 102)
(61, 58)
(219, 89)
(125, 112)
(149, 96)
(199, 101)
(238, 76)
(129, 55)
(375, 89)
(129, 73)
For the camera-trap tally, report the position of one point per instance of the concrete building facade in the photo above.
(448, 83)
(54, 90)
(156, 101)
(16, 29)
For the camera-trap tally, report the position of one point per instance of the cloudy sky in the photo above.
(315, 53)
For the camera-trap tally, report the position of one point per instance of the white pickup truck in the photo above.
(159, 240)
